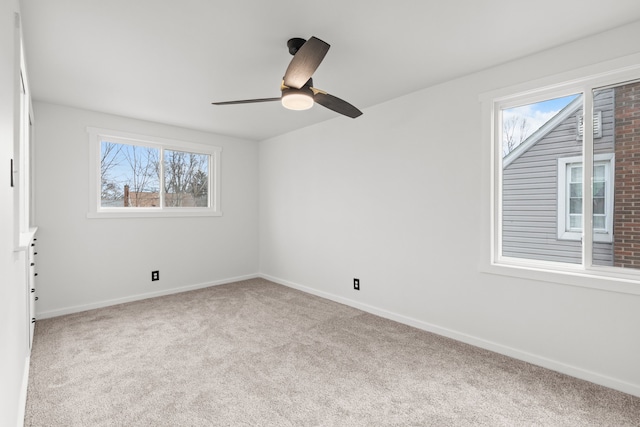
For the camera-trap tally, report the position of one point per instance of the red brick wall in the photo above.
(626, 219)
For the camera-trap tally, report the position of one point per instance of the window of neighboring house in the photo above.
(570, 197)
(135, 175)
(545, 218)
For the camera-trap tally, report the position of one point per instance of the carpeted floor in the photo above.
(255, 353)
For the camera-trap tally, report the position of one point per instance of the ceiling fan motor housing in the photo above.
(294, 44)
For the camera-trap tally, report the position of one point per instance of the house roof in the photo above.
(542, 131)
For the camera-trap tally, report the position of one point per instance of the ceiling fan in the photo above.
(297, 88)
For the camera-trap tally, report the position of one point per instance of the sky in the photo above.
(536, 114)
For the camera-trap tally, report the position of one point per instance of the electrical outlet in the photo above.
(356, 284)
(155, 275)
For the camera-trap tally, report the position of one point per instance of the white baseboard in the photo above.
(130, 298)
(22, 402)
(554, 365)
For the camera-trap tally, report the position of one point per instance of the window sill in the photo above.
(151, 214)
(601, 278)
(598, 236)
(25, 239)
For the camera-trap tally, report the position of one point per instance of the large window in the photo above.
(134, 175)
(566, 182)
(22, 162)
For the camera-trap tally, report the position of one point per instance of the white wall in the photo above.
(85, 263)
(14, 335)
(396, 199)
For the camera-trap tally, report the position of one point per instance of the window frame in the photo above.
(22, 162)
(95, 210)
(564, 233)
(582, 80)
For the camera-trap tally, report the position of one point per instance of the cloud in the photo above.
(534, 117)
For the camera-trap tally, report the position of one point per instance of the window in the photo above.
(567, 208)
(537, 184)
(570, 198)
(135, 175)
(22, 162)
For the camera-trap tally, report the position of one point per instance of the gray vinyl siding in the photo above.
(530, 192)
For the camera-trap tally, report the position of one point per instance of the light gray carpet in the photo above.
(255, 353)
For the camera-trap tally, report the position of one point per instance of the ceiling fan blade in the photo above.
(305, 62)
(246, 101)
(336, 104)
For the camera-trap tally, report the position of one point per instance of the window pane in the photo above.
(534, 138)
(598, 222)
(598, 206)
(621, 131)
(186, 179)
(598, 189)
(598, 173)
(576, 174)
(575, 190)
(129, 175)
(575, 222)
(575, 206)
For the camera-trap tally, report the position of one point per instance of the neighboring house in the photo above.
(144, 199)
(627, 177)
(542, 198)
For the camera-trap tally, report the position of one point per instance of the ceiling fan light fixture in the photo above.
(297, 99)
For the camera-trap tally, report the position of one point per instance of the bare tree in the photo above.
(186, 178)
(144, 181)
(200, 188)
(109, 159)
(515, 129)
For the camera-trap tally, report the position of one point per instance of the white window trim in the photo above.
(598, 235)
(96, 135)
(599, 75)
(22, 160)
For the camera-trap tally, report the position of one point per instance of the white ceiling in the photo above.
(167, 60)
